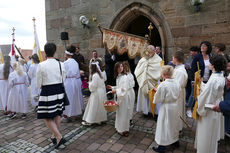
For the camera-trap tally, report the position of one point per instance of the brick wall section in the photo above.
(187, 27)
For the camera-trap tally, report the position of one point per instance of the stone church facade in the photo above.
(177, 26)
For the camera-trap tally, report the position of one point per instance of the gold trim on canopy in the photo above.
(124, 42)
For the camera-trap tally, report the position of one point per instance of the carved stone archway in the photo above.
(129, 13)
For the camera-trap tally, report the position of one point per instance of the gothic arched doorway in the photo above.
(135, 19)
(139, 27)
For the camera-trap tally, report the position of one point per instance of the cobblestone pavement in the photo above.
(31, 135)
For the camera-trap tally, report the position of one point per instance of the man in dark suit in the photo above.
(110, 61)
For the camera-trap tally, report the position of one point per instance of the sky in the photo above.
(19, 14)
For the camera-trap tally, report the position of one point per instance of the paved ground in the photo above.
(31, 135)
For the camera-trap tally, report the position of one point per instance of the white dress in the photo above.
(123, 111)
(34, 90)
(208, 128)
(95, 111)
(131, 93)
(181, 76)
(18, 95)
(147, 73)
(4, 89)
(73, 88)
(167, 130)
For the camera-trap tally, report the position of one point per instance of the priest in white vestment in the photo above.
(147, 73)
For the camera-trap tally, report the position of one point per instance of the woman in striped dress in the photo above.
(51, 100)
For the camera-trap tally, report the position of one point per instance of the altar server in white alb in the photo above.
(122, 121)
(5, 70)
(167, 130)
(147, 73)
(208, 123)
(35, 92)
(72, 85)
(95, 111)
(130, 91)
(181, 76)
(18, 95)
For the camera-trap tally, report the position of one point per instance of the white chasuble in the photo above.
(147, 73)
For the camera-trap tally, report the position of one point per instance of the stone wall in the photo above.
(180, 25)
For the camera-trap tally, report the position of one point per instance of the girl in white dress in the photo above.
(167, 130)
(208, 123)
(122, 121)
(18, 82)
(95, 111)
(5, 70)
(35, 92)
(130, 91)
(72, 86)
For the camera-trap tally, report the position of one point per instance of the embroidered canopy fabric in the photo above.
(124, 42)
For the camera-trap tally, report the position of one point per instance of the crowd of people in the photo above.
(52, 81)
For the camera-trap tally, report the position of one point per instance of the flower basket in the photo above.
(110, 105)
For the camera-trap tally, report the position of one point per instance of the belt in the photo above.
(18, 84)
(73, 77)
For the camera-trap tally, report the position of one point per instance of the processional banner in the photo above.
(124, 42)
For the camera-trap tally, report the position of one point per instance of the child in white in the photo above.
(73, 87)
(95, 111)
(131, 84)
(167, 130)
(18, 81)
(123, 112)
(35, 92)
(5, 70)
(181, 76)
(208, 123)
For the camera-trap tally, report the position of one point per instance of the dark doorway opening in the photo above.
(139, 26)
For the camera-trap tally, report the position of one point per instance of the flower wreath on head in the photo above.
(98, 67)
(68, 53)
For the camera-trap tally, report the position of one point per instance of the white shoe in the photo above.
(85, 123)
(189, 113)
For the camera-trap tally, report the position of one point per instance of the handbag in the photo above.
(66, 100)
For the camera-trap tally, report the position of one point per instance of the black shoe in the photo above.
(160, 149)
(176, 144)
(155, 117)
(62, 141)
(54, 140)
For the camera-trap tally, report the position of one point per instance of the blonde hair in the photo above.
(21, 61)
(17, 68)
(167, 70)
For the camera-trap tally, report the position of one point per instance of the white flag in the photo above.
(36, 49)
